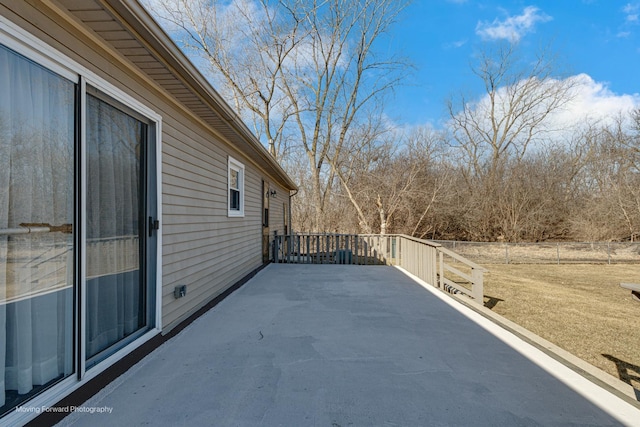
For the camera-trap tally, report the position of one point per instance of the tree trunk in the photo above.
(383, 216)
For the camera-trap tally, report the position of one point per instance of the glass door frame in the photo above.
(146, 233)
(153, 258)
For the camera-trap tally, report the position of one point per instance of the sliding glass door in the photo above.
(78, 225)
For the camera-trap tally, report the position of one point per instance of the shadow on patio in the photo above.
(334, 345)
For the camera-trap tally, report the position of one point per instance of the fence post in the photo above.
(506, 253)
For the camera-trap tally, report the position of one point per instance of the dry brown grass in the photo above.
(580, 307)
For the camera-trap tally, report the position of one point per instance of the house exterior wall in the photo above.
(202, 246)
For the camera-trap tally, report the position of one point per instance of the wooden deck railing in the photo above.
(427, 260)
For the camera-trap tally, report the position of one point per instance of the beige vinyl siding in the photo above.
(216, 251)
(202, 247)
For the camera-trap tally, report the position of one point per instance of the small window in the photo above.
(236, 188)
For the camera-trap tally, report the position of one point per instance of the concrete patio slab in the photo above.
(331, 345)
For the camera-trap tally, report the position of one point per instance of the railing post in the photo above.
(347, 238)
(365, 248)
(355, 245)
(327, 249)
(287, 246)
(276, 248)
(387, 250)
(375, 244)
(477, 285)
(441, 278)
(394, 250)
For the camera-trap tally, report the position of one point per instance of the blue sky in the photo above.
(597, 38)
(597, 42)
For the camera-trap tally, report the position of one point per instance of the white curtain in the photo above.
(115, 295)
(36, 187)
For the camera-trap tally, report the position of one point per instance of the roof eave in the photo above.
(147, 27)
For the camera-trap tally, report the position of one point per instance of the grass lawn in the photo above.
(579, 307)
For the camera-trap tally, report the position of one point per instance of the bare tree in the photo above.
(493, 135)
(304, 70)
(395, 177)
(611, 182)
(519, 98)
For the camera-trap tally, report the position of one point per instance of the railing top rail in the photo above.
(543, 243)
(415, 239)
(462, 259)
(299, 234)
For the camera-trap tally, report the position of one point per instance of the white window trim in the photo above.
(233, 164)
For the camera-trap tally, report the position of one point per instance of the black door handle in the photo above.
(153, 225)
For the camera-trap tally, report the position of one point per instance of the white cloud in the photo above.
(594, 101)
(513, 28)
(592, 104)
(631, 10)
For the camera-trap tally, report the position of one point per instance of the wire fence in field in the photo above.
(546, 253)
